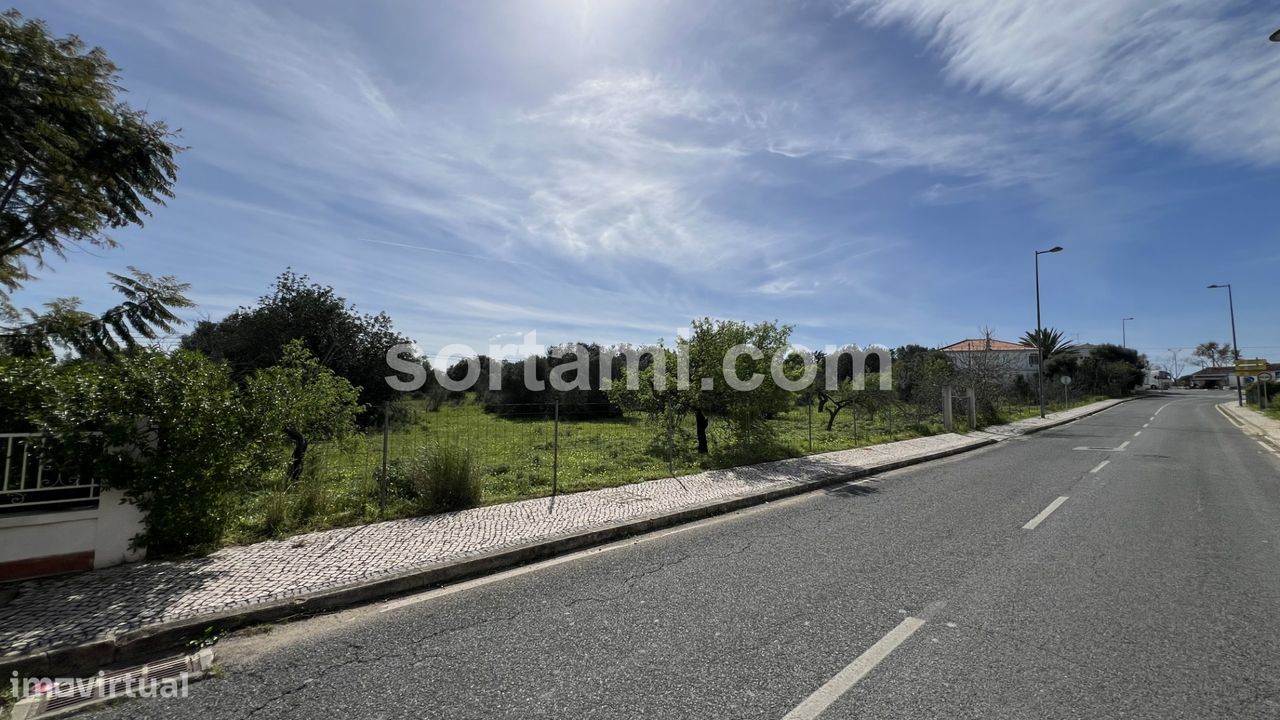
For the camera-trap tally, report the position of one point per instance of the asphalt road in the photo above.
(1151, 591)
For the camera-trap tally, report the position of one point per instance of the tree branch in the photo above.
(11, 187)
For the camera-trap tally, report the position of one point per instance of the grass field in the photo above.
(517, 458)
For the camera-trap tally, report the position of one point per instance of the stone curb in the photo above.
(153, 640)
(1249, 424)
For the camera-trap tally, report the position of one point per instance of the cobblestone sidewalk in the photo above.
(63, 611)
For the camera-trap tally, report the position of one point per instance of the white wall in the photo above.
(118, 523)
(23, 537)
(105, 531)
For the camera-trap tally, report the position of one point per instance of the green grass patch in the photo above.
(515, 459)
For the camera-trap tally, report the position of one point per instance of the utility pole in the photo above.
(1235, 344)
(1040, 331)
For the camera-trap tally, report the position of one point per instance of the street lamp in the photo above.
(1040, 331)
(1124, 336)
(1235, 344)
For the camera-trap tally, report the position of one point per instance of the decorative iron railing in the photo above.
(29, 484)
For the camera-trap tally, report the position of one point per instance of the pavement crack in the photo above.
(634, 578)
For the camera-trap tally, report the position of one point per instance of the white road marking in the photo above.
(1121, 448)
(1228, 416)
(1031, 525)
(1099, 466)
(823, 697)
(1137, 433)
(1157, 412)
(1147, 425)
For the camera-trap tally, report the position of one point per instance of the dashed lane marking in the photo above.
(1035, 521)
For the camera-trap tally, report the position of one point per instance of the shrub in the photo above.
(168, 429)
(441, 478)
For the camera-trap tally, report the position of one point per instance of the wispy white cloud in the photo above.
(666, 161)
(1197, 72)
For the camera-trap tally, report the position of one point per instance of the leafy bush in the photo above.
(187, 444)
(1252, 393)
(168, 429)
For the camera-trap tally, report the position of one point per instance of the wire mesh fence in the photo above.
(535, 449)
(518, 451)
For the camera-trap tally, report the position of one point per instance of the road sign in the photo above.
(1251, 367)
(1266, 376)
(1065, 379)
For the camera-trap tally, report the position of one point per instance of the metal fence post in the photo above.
(972, 407)
(382, 480)
(555, 452)
(671, 461)
(947, 423)
(810, 406)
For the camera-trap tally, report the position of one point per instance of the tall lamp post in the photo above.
(1040, 330)
(1124, 335)
(1235, 344)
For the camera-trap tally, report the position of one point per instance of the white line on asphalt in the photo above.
(1137, 433)
(1123, 445)
(1227, 415)
(1147, 425)
(1157, 412)
(1099, 466)
(822, 698)
(1031, 525)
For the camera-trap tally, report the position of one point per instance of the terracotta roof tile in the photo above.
(981, 345)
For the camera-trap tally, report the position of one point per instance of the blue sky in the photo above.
(874, 171)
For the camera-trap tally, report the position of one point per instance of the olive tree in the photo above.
(303, 400)
(723, 369)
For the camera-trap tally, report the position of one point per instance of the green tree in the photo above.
(1214, 354)
(351, 344)
(708, 348)
(302, 399)
(1113, 370)
(709, 393)
(146, 312)
(869, 398)
(74, 159)
(919, 373)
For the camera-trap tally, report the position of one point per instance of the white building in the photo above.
(999, 356)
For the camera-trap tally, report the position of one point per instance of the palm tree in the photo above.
(1049, 340)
